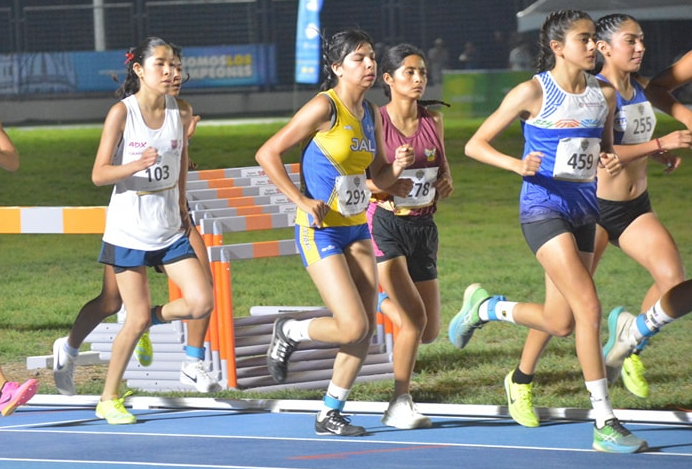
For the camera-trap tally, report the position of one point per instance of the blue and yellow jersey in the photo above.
(330, 158)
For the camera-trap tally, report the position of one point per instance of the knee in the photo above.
(563, 330)
(356, 331)
(431, 332)
(201, 306)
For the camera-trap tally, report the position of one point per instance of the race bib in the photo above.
(163, 175)
(637, 122)
(576, 159)
(423, 192)
(352, 194)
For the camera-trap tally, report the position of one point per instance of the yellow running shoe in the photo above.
(520, 402)
(144, 352)
(633, 376)
(114, 411)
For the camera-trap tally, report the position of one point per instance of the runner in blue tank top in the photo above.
(627, 219)
(568, 117)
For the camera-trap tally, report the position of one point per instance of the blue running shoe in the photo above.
(464, 324)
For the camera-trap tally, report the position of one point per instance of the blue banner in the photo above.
(78, 72)
(308, 44)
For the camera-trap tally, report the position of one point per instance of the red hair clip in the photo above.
(129, 57)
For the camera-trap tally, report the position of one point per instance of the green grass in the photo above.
(45, 279)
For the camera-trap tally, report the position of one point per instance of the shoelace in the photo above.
(637, 364)
(617, 427)
(335, 418)
(524, 394)
(199, 367)
(283, 348)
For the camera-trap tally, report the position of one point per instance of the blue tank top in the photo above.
(635, 119)
(567, 130)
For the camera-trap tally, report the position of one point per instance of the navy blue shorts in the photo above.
(124, 258)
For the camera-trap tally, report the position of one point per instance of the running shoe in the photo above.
(114, 411)
(620, 344)
(336, 424)
(194, 373)
(280, 350)
(63, 368)
(614, 438)
(13, 395)
(520, 402)
(465, 323)
(633, 376)
(144, 351)
(402, 413)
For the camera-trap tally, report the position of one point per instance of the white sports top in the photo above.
(144, 210)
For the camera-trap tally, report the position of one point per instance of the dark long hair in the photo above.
(335, 50)
(555, 28)
(606, 26)
(138, 55)
(393, 58)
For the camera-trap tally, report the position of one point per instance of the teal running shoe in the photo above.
(465, 323)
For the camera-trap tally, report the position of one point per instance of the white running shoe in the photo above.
(402, 413)
(63, 368)
(620, 344)
(193, 373)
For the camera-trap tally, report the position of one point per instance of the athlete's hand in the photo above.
(404, 157)
(317, 209)
(610, 162)
(148, 158)
(528, 166)
(668, 159)
(676, 140)
(444, 186)
(401, 187)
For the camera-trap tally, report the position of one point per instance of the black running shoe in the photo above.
(336, 424)
(280, 350)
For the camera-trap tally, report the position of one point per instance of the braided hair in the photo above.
(606, 26)
(392, 60)
(555, 28)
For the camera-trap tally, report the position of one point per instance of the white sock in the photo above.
(504, 311)
(600, 401)
(334, 399)
(72, 351)
(655, 318)
(297, 330)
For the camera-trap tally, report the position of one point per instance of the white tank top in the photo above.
(144, 210)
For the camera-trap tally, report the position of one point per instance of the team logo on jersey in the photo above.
(362, 144)
(429, 154)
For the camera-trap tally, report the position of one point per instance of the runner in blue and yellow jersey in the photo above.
(340, 135)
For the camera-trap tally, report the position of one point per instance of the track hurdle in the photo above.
(236, 346)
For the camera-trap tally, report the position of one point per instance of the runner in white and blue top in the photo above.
(626, 218)
(567, 131)
(568, 118)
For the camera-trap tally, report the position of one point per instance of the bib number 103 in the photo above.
(157, 173)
